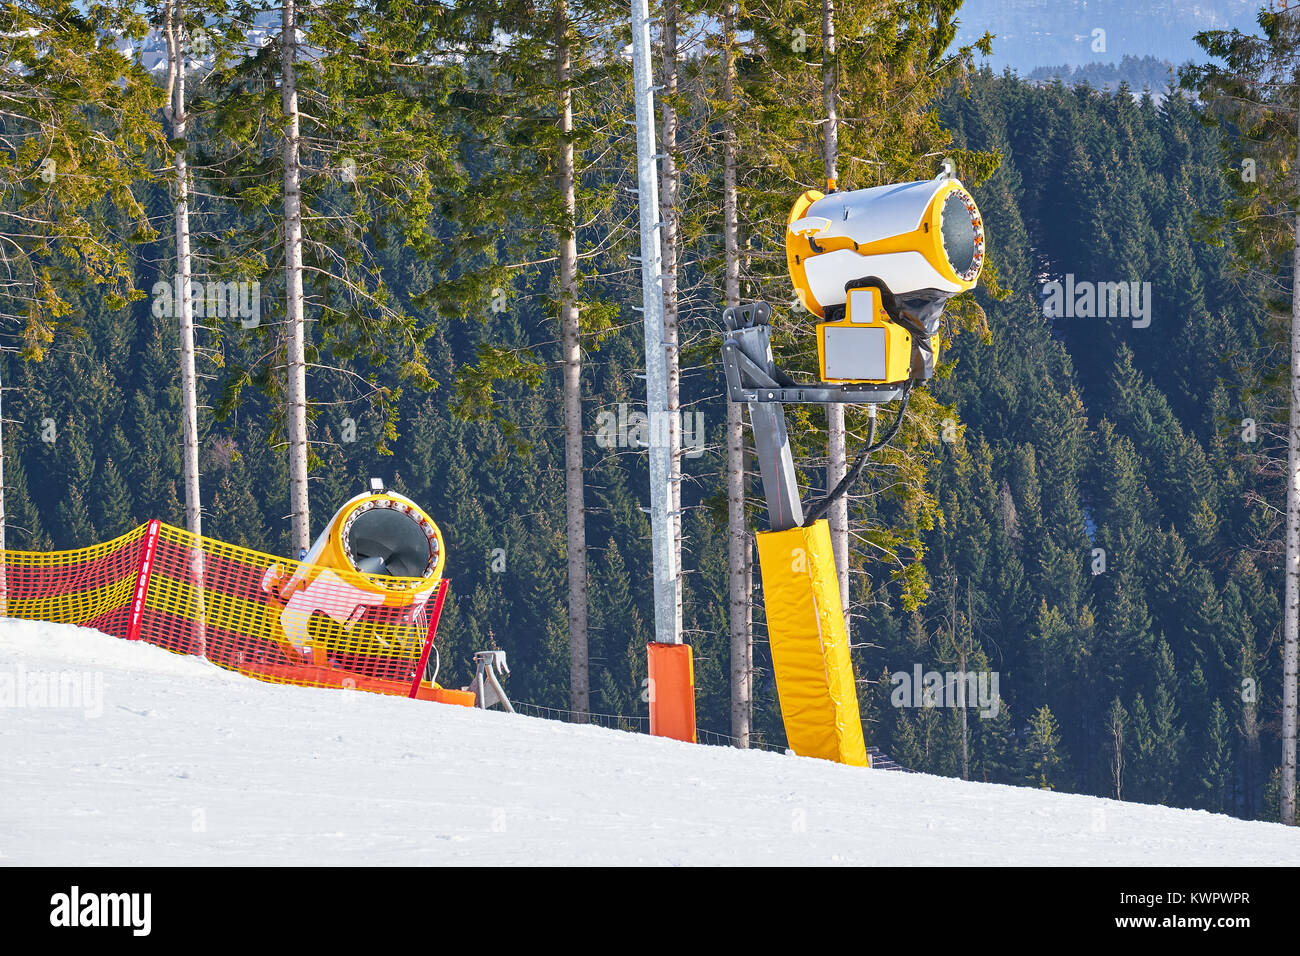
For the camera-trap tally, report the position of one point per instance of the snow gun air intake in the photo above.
(878, 265)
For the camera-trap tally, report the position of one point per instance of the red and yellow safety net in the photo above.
(267, 617)
(90, 586)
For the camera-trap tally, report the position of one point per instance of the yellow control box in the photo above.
(866, 346)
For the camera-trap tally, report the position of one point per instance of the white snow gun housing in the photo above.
(878, 265)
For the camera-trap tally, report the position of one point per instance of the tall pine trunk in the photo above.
(571, 352)
(837, 458)
(670, 254)
(174, 26)
(295, 320)
(1291, 627)
(739, 551)
(1116, 728)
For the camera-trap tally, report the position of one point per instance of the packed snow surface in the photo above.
(152, 758)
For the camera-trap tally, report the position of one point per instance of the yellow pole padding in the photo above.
(810, 648)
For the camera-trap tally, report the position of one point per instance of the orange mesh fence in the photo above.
(267, 617)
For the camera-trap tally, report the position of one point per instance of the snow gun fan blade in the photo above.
(959, 230)
(388, 541)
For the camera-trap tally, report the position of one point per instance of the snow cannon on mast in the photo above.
(877, 265)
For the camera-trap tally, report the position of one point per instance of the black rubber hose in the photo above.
(854, 473)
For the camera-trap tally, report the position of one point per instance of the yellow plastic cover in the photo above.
(810, 648)
(890, 350)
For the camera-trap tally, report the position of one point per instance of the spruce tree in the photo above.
(1043, 762)
(1215, 761)
(1253, 92)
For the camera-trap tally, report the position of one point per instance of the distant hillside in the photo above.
(1036, 33)
(1140, 73)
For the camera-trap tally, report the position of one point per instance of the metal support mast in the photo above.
(656, 364)
(671, 670)
(752, 377)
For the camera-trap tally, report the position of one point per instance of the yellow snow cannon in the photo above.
(360, 587)
(914, 245)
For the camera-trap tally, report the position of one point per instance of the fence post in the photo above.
(147, 553)
(428, 640)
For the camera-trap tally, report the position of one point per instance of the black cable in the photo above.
(854, 473)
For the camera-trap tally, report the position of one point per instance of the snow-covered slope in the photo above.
(175, 761)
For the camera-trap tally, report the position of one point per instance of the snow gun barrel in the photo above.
(380, 558)
(878, 265)
(384, 537)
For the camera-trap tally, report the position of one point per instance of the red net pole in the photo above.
(147, 552)
(428, 640)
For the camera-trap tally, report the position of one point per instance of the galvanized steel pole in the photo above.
(656, 364)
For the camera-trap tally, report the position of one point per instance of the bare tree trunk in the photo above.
(1291, 627)
(837, 457)
(1249, 729)
(738, 544)
(173, 25)
(965, 729)
(668, 203)
(962, 651)
(295, 319)
(571, 351)
(4, 561)
(1117, 755)
(830, 97)
(1251, 769)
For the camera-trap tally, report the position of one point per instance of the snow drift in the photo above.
(124, 754)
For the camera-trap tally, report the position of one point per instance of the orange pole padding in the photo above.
(672, 691)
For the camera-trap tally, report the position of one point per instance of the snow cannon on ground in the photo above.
(360, 588)
(878, 265)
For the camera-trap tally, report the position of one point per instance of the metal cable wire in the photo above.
(854, 473)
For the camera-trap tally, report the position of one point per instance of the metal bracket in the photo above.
(752, 377)
(747, 351)
(487, 689)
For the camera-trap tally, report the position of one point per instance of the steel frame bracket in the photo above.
(753, 378)
(752, 375)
